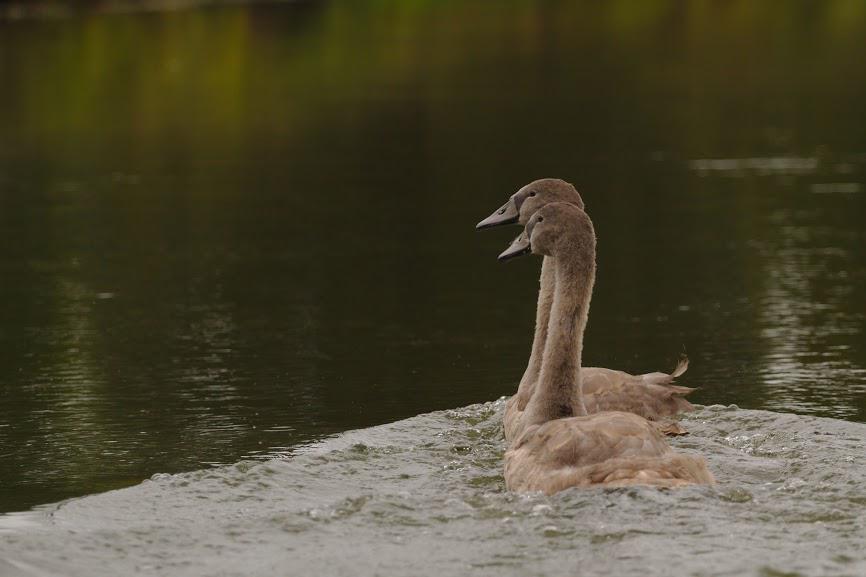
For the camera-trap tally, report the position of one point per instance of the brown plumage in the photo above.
(612, 449)
(652, 396)
(560, 445)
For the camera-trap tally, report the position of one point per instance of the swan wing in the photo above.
(652, 395)
(613, 449)
(579, 441)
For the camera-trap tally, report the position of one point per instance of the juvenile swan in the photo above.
(652, 395)
(562, 446)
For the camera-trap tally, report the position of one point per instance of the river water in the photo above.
(231, 233)
(425, 496)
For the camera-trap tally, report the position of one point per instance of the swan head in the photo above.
(553, 229)
(529, 199)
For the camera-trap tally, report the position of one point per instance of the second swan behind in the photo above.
(561, 446)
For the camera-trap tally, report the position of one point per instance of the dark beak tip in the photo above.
(507, 214)
(494, 219)
(519, 247)
(506, 256)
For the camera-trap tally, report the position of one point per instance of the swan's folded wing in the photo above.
(581, 441)
(670, 470)
(652, 396)
(610, 448)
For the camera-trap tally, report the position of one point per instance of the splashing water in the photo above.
(425, 496)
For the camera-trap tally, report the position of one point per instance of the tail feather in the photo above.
(666, 380)
(682, 366)
(680, 390)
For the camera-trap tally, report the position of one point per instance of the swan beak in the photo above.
(519, 246)
(507, 214)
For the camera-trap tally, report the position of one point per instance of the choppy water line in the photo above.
(425, 496)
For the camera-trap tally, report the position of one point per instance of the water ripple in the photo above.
(425, 496)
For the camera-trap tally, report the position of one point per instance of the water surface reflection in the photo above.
(227, 231)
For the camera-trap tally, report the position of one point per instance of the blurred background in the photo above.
(230, 229)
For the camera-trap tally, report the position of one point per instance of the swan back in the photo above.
(612, 449)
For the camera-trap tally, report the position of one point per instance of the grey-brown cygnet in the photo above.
(650, 395)
(561, 445)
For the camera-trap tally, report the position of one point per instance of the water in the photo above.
(425, 496)
(228, 232)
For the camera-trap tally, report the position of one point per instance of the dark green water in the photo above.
(231, 230)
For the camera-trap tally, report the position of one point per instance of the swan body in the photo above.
(613, 449)
(558, 444)
(652, 395)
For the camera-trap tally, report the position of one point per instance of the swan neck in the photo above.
(542, 317)
(559, 392)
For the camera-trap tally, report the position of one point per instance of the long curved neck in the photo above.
(542, 318)
(558, 393)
